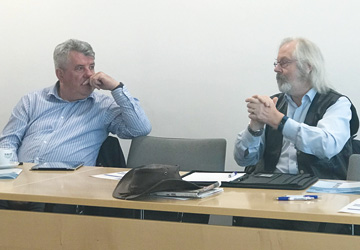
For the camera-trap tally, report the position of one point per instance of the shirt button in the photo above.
(45, 142)
(301, 171)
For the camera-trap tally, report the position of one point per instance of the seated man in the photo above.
(307, 128)
(69, 120)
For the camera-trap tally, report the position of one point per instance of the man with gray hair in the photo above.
(307, 128)
(69, 121)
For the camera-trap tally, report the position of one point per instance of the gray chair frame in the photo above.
(190, 154)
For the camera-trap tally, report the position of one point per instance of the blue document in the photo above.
(10, 173)
(335, 186)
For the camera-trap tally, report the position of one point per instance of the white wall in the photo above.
(191, 63)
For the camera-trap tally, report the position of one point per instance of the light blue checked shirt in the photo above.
(44, 127)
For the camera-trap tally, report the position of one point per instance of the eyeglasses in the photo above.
(284, 64)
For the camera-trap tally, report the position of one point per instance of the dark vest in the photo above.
(334, 168)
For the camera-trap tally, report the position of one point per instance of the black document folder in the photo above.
(273, 181)
(261, 180)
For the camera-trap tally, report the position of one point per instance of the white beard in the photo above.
(283, 84)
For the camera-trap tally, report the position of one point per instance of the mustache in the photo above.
(281, 78)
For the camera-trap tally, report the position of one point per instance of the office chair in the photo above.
(353, 173)
(188, 154)
(111, 154)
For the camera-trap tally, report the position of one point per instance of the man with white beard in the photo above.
(307, 128)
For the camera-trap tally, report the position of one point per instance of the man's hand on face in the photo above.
(101, 80)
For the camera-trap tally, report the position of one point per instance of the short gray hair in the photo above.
(308, 53)
(62, 51)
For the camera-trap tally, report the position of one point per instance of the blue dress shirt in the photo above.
(324, 141)
(44, 127)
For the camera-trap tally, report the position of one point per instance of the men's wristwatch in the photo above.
(119, 86)
(255, 133)
(282, 123)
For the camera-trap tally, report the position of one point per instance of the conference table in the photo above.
(47, 230)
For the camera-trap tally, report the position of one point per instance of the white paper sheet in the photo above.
(111, 176)
(212, 177)
(352, 208)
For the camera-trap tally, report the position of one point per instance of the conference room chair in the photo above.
(189, 154)
(353, 173)
(111, 154)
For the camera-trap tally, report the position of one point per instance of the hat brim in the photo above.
(164, 185)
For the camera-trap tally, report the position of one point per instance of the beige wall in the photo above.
(191, 63)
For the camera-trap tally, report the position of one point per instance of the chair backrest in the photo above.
(356, 146)
(189, 154)
(353, 173)
(111, 154)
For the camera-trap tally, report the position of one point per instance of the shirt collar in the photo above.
(308, 97)
(53, 91)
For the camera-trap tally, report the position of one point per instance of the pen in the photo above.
(314, 196)
(232, 174)
(211, 186)
(307, 195)
(298, 198)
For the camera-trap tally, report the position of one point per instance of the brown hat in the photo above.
(151, 178)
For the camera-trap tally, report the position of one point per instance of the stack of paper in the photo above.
(10, 173)
(212, 176)
(197, 193)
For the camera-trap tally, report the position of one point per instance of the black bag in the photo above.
(273, 181)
